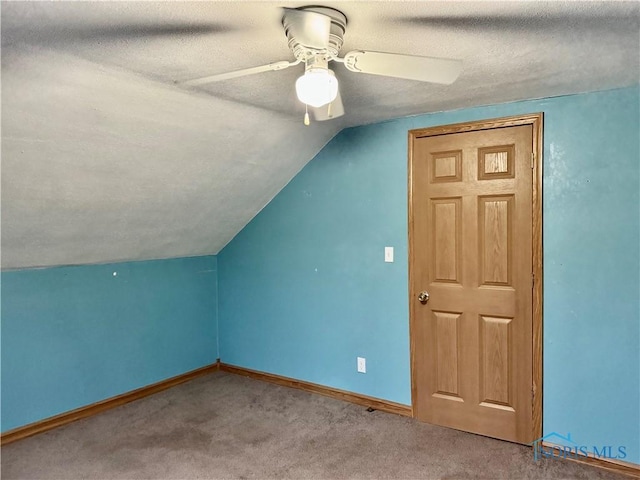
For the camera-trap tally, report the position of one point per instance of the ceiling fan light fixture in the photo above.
(317, 87)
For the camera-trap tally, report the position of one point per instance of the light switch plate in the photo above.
(388, 254)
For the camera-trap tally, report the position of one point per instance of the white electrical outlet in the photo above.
(362, 365)
(388, 254)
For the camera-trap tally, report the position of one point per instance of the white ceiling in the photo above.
(105, 159)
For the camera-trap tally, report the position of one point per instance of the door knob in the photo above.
(423, 297)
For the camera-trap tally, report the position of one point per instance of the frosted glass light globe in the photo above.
(317, 87)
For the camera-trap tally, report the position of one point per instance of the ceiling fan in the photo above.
(315, 36)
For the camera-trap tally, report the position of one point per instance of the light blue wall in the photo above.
(304, 289)
(72, 336)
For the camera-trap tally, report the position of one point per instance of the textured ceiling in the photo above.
(104, 158)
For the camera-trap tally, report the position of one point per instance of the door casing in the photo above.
(536, 121)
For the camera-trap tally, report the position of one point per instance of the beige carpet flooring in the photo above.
(224, 426)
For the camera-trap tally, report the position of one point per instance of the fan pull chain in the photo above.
(306, 115)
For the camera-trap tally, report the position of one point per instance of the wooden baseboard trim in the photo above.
(358, 399)
(103, 405)
(625, 468)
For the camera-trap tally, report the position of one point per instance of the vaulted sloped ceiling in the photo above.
(105, 158)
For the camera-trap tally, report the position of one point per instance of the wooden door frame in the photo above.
(535, 120)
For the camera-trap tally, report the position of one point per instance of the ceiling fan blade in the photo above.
(412, 67)
(311, 29)
(330, 111)
(133, 31)
(522, 22)
(237, 73)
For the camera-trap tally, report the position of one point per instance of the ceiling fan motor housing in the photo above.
(336, 35)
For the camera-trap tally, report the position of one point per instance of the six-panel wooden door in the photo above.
(471, 214)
